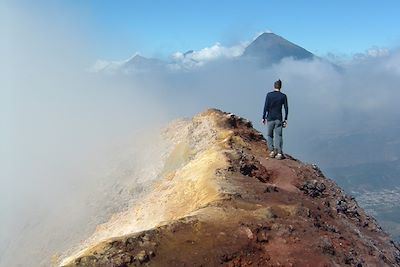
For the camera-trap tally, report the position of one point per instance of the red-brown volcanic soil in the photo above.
(268, 213)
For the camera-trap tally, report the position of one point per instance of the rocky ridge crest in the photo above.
(221, 201)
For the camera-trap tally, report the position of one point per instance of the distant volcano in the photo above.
(265, 50)
(269, 48)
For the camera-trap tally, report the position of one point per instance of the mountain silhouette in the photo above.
(269, 48)
(265, 50)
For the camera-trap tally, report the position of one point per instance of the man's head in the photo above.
(278, 84)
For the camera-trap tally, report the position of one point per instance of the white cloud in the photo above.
(374, 53)
(200, 57)
(217, 51)
(393, 63)
(371, 53)
(377, 52)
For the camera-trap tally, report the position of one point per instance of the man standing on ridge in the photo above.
(273, 107)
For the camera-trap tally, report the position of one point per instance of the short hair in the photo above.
(278, 84)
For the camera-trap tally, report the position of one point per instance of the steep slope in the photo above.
(269, 48)
(221, 201)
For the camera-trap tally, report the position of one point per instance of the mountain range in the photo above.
(265, 50)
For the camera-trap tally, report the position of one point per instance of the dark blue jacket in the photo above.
(273, 105)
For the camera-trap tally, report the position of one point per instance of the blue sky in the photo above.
(158, 28)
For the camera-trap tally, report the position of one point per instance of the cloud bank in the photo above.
(70, 139)
(215, 52)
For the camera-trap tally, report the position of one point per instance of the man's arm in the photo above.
(285, 104)
(266, 106)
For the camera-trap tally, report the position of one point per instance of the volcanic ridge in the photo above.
(221, 201)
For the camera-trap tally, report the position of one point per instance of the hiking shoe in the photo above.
(272, 154)
(279, 156)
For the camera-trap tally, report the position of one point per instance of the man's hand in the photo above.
(264, 121)
(284, 124)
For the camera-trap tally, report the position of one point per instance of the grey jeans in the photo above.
(275, 129)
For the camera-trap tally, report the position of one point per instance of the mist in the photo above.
(326, 99)
(63, 130)
(71, 137)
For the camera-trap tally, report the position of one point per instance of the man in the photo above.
(273, 105)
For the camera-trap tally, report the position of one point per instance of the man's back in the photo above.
(273, 105)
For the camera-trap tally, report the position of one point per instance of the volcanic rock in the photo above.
(220, 201)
